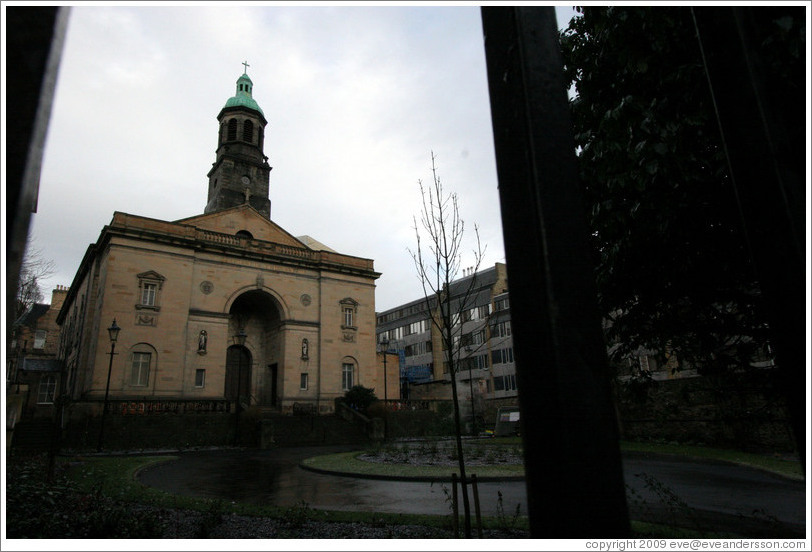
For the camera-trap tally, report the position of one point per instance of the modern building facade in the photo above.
(222, 306)
(483, 344)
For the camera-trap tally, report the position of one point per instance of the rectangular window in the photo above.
(303, 381)
(47, 389)
(148, 295)
(502, 356)
(501, 304)
(348, 315)
(200, 378)
(481, 362)
(39, 339)
(140, 369)
(416, 327)
(502, 329)
(346, 376)
(498, 383)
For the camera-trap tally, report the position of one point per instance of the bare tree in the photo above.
(33, 270)
(438, 262)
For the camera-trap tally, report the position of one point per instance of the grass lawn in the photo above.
(780, 466)
(347, 462)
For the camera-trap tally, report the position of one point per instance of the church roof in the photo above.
(313, 244)
(242, 97)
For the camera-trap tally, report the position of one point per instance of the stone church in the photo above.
(222, 306)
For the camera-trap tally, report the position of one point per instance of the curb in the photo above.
(412, 478)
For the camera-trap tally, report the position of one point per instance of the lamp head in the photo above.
(239, 339)
(113, 331)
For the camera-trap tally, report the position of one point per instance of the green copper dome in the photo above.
(243, 96)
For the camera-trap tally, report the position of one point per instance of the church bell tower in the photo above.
(241, 173)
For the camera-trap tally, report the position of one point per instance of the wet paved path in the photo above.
(274, 477)
(719, 492)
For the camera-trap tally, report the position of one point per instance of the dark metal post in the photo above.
(385, 351)
(572, 458)
(455, 509)
(113, 331)
(477, 509)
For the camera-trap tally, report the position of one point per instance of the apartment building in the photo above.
(482, 344)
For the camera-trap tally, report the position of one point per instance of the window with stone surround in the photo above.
(150, 284)
(200, 378)
(349, 311)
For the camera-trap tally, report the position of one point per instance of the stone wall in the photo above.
(742, 411)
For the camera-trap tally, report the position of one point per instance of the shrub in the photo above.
(360, 398)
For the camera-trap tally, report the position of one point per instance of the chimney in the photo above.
(58, 296)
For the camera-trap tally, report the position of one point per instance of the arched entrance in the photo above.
(238, 373)
(254, 369)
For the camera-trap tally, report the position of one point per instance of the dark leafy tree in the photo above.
(360, 398)
(673, 270)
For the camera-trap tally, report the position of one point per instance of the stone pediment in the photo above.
(150, 275)
(243, 219)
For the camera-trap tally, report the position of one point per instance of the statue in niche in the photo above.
(202, 340)
(305, 346)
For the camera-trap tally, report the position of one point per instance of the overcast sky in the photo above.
(355, 98)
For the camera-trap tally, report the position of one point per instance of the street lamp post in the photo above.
(113, 332)
(385, 343)
(239, 340)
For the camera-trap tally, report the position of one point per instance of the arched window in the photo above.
(232, 129)
(247, 131)
(245, 234)
(143, 359)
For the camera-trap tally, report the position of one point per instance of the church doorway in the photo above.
(238, 373)
(257, 317)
